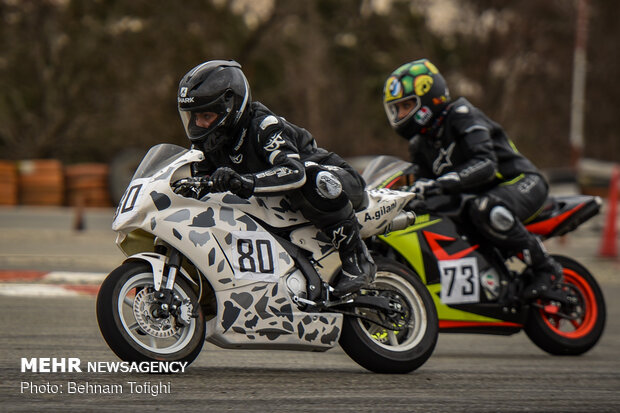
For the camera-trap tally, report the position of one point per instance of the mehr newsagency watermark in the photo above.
(75, 387)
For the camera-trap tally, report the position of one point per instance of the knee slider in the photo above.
(490, 212)
(322, 198)
(501, 219)
(326, 184)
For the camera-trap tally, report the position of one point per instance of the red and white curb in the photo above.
(18, 283)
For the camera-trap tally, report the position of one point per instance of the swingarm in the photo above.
(387, 305)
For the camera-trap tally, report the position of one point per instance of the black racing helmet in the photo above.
(420, 83)
(217, 86)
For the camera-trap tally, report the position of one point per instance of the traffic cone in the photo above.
(79, 223)
(609, 247)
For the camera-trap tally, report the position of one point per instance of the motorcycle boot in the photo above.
(547, 273)
(358, 267)
(496, 222)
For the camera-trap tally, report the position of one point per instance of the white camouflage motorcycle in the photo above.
(251, 274)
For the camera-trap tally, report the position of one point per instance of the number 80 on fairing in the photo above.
(254, 256)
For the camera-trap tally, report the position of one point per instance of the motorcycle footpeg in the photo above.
(300, 300)
(558, 295)
(321, 305)
(327, 302)
(331, 300)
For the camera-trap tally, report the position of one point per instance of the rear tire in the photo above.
(386, 351)
(127, 325)
(569, 337)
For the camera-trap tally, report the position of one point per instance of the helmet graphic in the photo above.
(219, 87)
(412, 95)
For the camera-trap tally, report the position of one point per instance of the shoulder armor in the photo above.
(462, 109)
(464, 118)
(268, 121)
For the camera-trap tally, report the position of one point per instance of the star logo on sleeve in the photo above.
(443, 161)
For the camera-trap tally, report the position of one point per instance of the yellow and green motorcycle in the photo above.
(475, 287)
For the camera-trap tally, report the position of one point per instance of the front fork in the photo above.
(166, 301)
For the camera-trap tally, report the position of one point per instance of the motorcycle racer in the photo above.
(250, 150)
(456, 148)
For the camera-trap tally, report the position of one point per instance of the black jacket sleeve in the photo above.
(278, 148)
(473, 137)
(481, 167)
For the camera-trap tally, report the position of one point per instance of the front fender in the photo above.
(157, 263)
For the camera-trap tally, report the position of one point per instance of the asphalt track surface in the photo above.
(467, 373)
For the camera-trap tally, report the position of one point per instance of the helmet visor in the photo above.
(222, 107)
(400, 111)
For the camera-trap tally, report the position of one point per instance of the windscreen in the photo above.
(382, 168)
(158, 157)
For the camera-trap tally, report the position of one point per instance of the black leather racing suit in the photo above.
(476, 156)
(283, 159)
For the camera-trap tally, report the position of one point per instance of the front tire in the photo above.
(386, 351)
(574, 335)
(128, 326)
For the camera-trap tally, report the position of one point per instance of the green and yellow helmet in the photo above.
(413, 94)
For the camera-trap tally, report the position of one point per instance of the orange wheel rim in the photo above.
(582, 326)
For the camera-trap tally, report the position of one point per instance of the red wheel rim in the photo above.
(582, 326)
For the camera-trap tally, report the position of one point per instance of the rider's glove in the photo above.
(424, 188)
(226, 179)
(449, 182)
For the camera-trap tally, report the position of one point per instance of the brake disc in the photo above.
(156, 327)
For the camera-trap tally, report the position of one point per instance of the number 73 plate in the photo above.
(460, 281)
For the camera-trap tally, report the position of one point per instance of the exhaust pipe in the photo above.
(403, 220)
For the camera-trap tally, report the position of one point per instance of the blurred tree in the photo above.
(603, 88)
(524, 64)
(519, 57)
(82, 79)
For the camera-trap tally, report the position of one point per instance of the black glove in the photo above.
(423, 188)
(450, 182)
(226, 179)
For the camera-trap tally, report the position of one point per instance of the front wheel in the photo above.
(413, 340)
(569, 330)
(128, 322)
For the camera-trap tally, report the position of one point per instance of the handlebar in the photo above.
(203, 181)
(447, 205)
(196, 184)
(194, 181)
